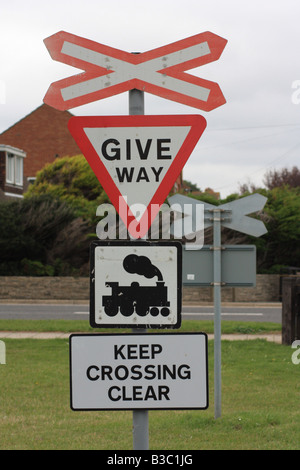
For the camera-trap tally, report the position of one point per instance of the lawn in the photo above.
(72, 326)
(260, 402)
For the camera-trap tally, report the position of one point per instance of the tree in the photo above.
(283, 177)
(189, 186)
(35, 237)
(71, 180)
(282, 240)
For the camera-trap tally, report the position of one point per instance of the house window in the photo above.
(14, 169)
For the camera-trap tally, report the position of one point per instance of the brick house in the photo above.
(31, 143)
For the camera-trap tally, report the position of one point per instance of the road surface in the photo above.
(265, 313)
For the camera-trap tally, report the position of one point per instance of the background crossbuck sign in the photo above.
(110, 71)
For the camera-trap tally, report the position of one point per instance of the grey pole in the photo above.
(140, 418)
(217, 307)
(136, 102)
(140, 422)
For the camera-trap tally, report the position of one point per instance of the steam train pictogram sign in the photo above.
(135, 284)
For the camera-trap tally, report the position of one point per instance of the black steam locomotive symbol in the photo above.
(135, 298)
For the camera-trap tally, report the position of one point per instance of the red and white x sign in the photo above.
(109, 71)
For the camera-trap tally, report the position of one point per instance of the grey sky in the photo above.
(256, 130)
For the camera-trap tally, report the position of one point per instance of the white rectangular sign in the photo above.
(139, 371)
(136, 284)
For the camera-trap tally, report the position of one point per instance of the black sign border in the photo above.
(133, 243)
(146, 335)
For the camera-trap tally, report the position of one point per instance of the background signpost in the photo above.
(234, 214)
(231, 215)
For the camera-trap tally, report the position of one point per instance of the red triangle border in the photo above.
(76, 127)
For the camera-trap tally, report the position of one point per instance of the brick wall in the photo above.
(44, 288)
(267, 289)
(75, 289)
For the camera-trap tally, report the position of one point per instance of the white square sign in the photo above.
(139, 371)
(135, 284)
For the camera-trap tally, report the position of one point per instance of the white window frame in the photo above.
(18, 170)
(14, 166)
(10, 168)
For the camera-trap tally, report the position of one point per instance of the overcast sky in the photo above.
(258, 128)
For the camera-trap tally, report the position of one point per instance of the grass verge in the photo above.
(260, 404)
(70, 326)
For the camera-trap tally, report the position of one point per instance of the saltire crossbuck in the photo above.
(109, 71)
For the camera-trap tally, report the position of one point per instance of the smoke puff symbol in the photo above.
(142, 265)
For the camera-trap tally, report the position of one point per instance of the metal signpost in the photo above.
(140, 418)
(136, 284)
(103, 140)
(231, 215)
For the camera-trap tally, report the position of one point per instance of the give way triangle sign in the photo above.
(137, 159)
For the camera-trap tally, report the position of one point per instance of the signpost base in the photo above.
(140, 429)
(140, 420)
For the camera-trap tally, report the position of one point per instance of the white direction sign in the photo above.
(135, 284)
(235, 219)
(144, 371)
